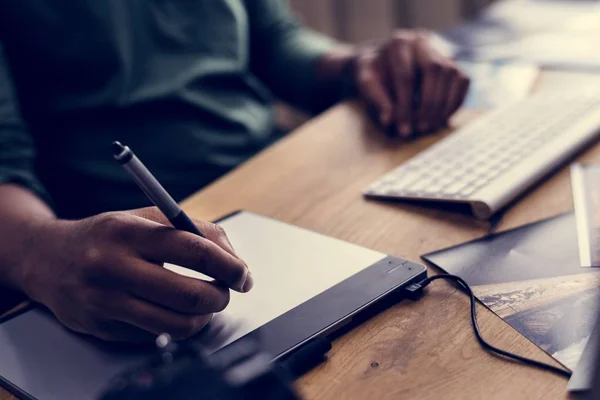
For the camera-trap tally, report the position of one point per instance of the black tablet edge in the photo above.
(341, 302)
(420, 272)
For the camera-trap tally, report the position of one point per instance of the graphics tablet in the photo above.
(306, 285)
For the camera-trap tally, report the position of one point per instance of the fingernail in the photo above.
(249, 282)
(404, 130)
(231, 245)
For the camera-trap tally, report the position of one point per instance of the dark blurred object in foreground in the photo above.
(184, 372)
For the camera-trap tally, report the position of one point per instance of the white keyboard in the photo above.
(488, 163)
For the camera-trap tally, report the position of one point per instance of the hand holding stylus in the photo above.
(103, 275)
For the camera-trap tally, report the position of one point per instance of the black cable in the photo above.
(418, 288)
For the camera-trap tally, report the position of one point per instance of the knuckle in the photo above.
(96, 268)
(95, 272)
(363, 62)
(401, 37)
(92, 256)
(422, 36)
(366, 77)
(404, 60)
(112, 223)
(219, 231)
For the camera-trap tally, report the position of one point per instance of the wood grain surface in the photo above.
(313, 178)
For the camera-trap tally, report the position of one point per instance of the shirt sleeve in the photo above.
(283, 53)
(17, 149)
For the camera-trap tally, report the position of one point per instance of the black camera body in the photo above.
(185, 372)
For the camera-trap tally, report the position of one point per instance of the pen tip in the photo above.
(117, 148)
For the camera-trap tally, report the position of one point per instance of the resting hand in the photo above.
(412, 88)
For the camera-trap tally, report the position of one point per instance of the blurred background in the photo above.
(500, 44)
(354, 21)
(358, 20)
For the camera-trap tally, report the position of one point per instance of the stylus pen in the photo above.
(153, 189)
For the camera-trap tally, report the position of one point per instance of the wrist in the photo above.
(334, 66)
(336, 71)
(42, 240)
(22, 218)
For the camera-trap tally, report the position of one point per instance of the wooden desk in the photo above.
(426, 350)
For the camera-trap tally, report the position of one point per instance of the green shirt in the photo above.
(187, 84)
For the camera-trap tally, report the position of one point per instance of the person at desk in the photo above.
(190, 86)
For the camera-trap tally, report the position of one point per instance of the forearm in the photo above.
(333, 66)
(284, 54)
(22, 214)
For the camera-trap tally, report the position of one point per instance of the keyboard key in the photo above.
(455, 188)
(419, 185)
(405, 179)
(483, 169)
(445, 181)
(467, 191)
